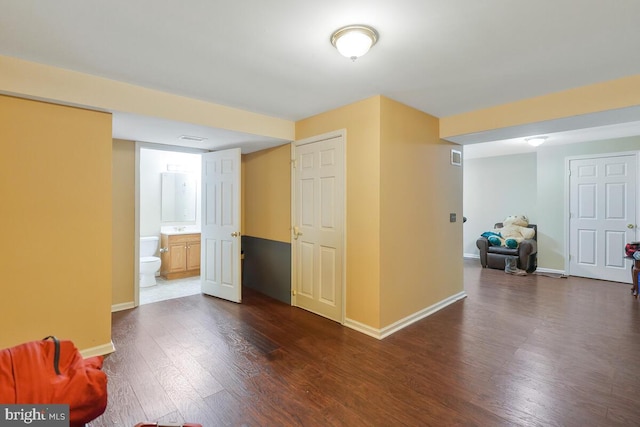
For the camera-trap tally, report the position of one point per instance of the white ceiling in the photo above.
(275, 58)
(519, 145)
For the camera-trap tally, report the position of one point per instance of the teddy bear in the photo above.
(514, 230)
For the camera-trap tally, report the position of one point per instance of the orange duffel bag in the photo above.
(54, 372)
(149, 424)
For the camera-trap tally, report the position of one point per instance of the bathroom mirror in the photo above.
(178, 197)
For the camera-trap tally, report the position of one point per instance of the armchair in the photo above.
(495, 256)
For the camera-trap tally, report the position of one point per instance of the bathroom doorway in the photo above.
(168, 207)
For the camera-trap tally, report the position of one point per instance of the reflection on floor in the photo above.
(169, 289)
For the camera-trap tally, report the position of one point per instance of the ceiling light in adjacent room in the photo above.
(354, 41)
(536, 140)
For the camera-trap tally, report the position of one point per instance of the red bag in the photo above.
(43, 372)
(631, 248)
(148, 424)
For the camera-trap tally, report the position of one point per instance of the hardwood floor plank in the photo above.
(518, 351)
(199, 378)
(123, 406)
(230, 410)
(190, 405)
(625, 411)
(153, 399)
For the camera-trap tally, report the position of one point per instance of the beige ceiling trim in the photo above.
(612, 95)
(47, 83)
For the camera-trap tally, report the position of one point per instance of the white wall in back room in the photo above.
(153, 163)
(494, 188)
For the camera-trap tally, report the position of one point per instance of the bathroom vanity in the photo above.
(180, 254)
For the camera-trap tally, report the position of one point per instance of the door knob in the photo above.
(296, 232)
(630, 226)
(235, 234)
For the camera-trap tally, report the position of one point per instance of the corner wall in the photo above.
(56, 186)
(362, 123)
(401, 188)
(420, 250)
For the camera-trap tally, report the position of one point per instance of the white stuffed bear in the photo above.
(514, 230)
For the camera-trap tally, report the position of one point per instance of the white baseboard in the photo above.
(100, 350)
(361, 327)
(122, 306)
(403, 323)
(540, 269)
(550, 270)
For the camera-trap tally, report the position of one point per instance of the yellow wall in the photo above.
(55, 182)
(32, 80)
(123, 191)
(614, 94)
(419, 188)
(267, 194)
(362, 123)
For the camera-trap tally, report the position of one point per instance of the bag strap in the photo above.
(56, 353)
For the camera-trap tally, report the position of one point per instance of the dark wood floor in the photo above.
(525, 351)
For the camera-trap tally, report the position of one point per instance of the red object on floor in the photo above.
(54, 372)
(148, 424)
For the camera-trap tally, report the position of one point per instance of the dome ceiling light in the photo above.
(353, 41)
(536, 141)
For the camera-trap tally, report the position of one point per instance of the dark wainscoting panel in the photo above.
(267, 267)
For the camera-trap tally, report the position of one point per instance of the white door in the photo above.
(318, 226)
(602, 205)
(220, 246)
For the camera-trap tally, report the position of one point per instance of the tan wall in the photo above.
(614, 94)
(421, 251)
(267, 194)
(55, 181)
(362, 123)
(123, 166)
(30, 79)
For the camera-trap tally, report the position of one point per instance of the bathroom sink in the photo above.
(183, 229)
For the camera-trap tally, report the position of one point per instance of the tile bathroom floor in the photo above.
(169, 289)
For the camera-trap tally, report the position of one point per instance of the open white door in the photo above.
(220, 259)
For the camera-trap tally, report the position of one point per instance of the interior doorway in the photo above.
(178, 211)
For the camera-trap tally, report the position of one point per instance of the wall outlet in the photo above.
(452, 217)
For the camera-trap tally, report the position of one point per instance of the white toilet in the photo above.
(149, 264)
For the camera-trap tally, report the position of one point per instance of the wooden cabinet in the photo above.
(181, 257)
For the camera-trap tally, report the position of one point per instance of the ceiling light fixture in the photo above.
(353, 41)
(536, 141)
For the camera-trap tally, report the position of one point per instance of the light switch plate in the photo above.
(452, 217)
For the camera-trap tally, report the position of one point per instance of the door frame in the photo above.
(567, 194)
(136, 227)
(319, 138)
